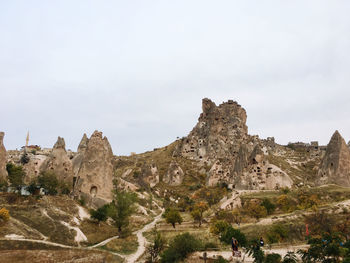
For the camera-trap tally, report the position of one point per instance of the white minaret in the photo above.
(27, 139)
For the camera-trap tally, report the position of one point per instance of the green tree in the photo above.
(15, 173)
(156, 247)
(122, 207)
(325, 249)
(49, 181)
(172, 216)
(198, 211)
(179, 248)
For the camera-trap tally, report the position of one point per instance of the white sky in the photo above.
(138, 70)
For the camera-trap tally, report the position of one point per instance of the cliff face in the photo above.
(3, 158)
(335, 166)
(94, 170)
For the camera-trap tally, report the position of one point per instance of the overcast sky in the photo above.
(138, 70)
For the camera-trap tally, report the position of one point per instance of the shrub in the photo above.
(100, 214)
(218, 227)
(230, 232)
(273, 258)
(277, 233)
(255, 210)
(24, 158)
(179, 248)
(4, 215)
(82, 201)
(270, 207)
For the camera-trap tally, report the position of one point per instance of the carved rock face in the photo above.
(216, 140)
(218, 134)
(335, 166)
(94, 169)
(3, 158)
(174, 175)
(59, 163)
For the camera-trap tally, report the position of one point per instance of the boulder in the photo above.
(335, 166)
(3, 159)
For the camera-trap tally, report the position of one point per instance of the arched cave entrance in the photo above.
(93, 191)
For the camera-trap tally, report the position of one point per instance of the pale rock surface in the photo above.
(59, 163)
(174, 175)
(3, 158)
(335, 166)
(95, 169)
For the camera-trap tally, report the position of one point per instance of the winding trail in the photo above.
(129, 258)
(142, 240)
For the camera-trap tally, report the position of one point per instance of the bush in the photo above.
(179, 248)
(270, 207)
(273, 258)
(82, 201)
(230, 232)
(218, 227)
(24, 158)
(100, 214)
(255, 210)
(16, 174)
(4, 215)
(277, 233)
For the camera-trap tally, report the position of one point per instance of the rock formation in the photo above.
(94, 172)
(3, 159)
(174, 175)
(335, 166)
(218, 134)
(216, 139)
(59, 163)
(80, 154)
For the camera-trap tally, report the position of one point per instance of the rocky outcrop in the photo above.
(335, 166)
(3, 159)
(174, 175)
(59, 163)
(217, 140)
(218, 134)
(94, 172)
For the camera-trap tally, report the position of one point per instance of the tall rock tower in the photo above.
(216, 139)
(335, 166)
(59, 162)
(94, 169)
(3, 159)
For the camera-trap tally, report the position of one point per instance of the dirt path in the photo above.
(142, 240)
